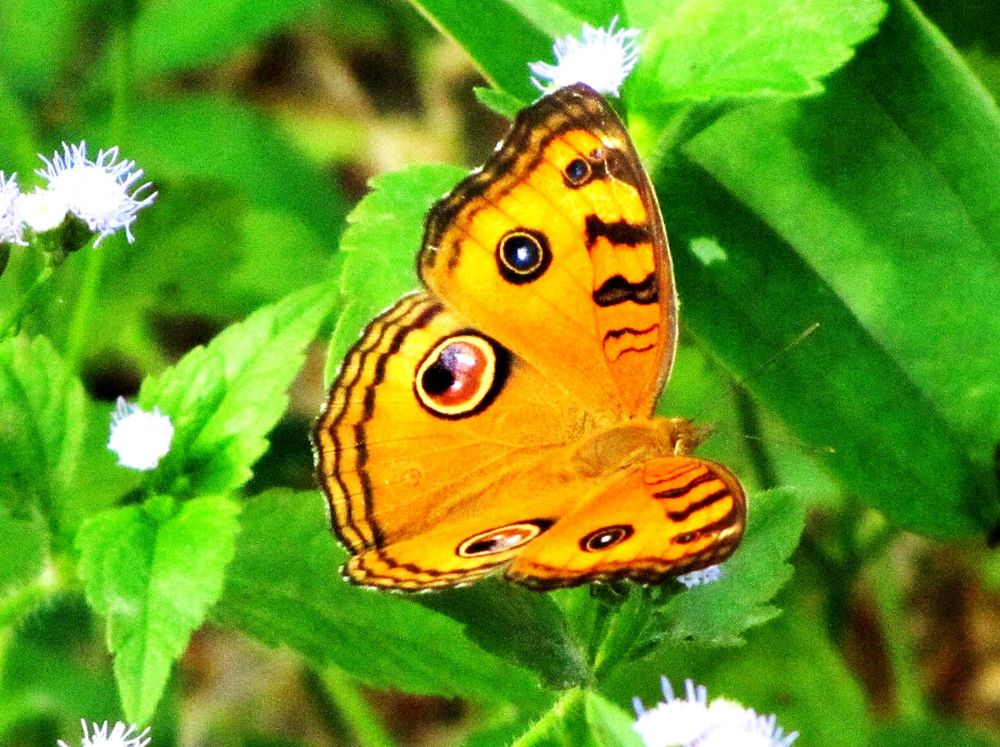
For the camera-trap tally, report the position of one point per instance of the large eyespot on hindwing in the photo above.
(461, 375)
(501, 539)
(523, 255)
(606, 537)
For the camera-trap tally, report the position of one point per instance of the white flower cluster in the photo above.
(140, 439)
(102, 193)
(694, 722)
(699, 578)
(121, 735)
(602, 59)
(11, 226)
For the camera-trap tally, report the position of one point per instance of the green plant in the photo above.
(827, 171)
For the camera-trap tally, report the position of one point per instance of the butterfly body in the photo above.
(502, 420)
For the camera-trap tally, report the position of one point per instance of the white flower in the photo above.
(700, 578)
(11, 228)
(674, 721)
(122, 735)
(42, 210)
(140, 439)
(603, 60)
(693, 722)
(97, 192)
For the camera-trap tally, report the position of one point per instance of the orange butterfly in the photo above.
(502, 420)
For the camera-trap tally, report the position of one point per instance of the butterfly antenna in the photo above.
(749, 418)
(778, 355)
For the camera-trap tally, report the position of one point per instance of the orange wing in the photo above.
(668, 516)
(556, 246)
(428, 420)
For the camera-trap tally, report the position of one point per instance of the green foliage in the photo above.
(380, 247)
(43, 409)
(827, 170)
(284, 587)
(582, 718)
(153, 571)
(703, 50)
(226, 397)
(795, 235)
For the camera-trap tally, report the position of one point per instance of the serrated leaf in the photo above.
(717, 613)
(380, 247)
(720, 612)
(42, 420)
(153, 571)
(284, 587)
(701, 49)
(224, 398)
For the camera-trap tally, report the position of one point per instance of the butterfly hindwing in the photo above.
(667, 516)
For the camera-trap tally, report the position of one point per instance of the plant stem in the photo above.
(889, 598)
(749, 419)
(121, 67)
(12, 324)
(366, 728)
(80, 322)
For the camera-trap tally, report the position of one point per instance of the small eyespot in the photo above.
(686, 538)
(502, 539)
(606, 537)
(523, 255)
(596, 155)
(577, 171)
(460, 376)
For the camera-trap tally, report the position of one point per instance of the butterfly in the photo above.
(500, 421)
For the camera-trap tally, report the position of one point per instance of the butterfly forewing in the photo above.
(557, 247)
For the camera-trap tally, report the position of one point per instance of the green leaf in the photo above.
(717, 613)
(205, 31)
(789, 667)
(701, 49)
(153, 571)
(42, 421)
(285, 588)
(24, 545)
(721, 611)
(518, 625)
(500, 102)
(869, 247)
(502, 37)
(223, 399)
(381, 244)
(585, 719)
